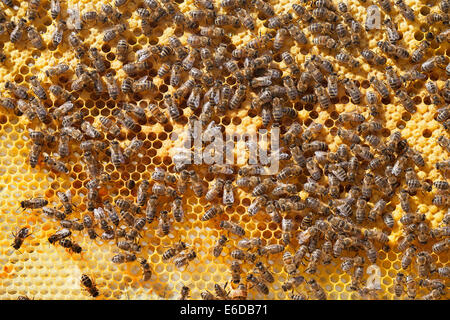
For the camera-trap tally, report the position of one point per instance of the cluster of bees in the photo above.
(346, 214)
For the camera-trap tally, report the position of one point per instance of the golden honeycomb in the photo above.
(44, 271)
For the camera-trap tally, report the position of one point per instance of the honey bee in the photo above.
(290, 62)
(184, 258)
(146, 270)
(56, 165)
(265, 274)
(111, 85)
(76, 44)
(35, 38)
(112, 33)
(59, 235)
(17, 32)
(233, 228)
(263, 187)
(89, 285)
(433, 62)
(423, 261)
(345, 58)
(109, 125)
(164, 224)
(380, 87)
(399, 284)
(440, 232)
(405, 10)
(442, 246)
(19, 237)
(372, 58)
(117, 157)
(444, 272)
(318, 292)
(174, 250)
(258, 283)
(418, 54)
(123, 258)
(18, 91)
(406, 101)
(55, 9)
(408, 256)
(213, 211)
(125, 120)
(352, 90)
(57, 35)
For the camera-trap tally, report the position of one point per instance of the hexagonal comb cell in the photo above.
(99, 102)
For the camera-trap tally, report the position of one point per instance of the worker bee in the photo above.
(380, 87)
(352, 90)
(57, 35)
(112, 33)
(444, 272)
(18, 91)
(55, 8)
(146, 270)
(433, 62)
(158, 114)
(325, 41)
(218, 247)
(111, 85)
(59, 235)
(97, 60)
(265, 274)
(164, 223)
(441, 246)
(213, 211)
(174, 250)
(117, 156)
(423, 261)
(89, 285)
(258, 283)
(19, 237)
(76, 43)
(405, 10)
(345, 58)
(233, 228)
(109, 125)
(184, 258)
(372, 58)
(17, 32)
(399, 284)
(271, 249)
(35, 38)
(123, 258)
(56, 165)
(406, 101)
(290, 62)
(318, 292)
(291, 91)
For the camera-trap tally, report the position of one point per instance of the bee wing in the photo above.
(143, 79)
(69, 195)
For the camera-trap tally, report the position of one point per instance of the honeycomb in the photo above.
(43, 271)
